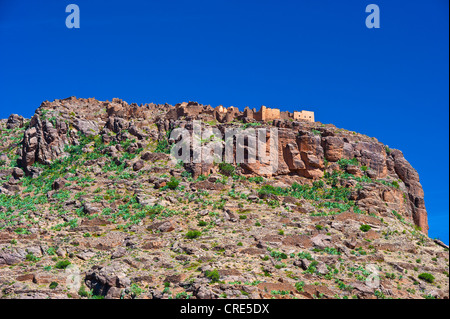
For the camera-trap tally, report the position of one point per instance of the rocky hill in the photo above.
(91, 206)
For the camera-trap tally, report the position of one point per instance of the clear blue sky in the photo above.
(390, 83)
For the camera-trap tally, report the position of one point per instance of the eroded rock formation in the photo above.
(89, 191)
(307, 149)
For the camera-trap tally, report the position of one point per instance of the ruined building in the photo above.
(304, 115)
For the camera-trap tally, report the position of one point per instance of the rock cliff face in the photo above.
(71, 160)
(305, 149)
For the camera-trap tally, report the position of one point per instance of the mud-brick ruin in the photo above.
(222, 114)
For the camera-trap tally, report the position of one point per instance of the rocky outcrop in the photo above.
(14, 121)
(44, 141)
(333, 147)
(305, 149)
(86, 127)
(125, 221)
(107, 281)
(410, 177)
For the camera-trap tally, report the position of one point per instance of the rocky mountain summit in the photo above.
(92, 206)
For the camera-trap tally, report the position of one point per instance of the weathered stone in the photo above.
(25, 277)
(58, 184)
(118, 253)
(17, 173)
(333, 148)
(14, 121)
(102, 279)
(86, 127)
(138, 165)
(321, 241)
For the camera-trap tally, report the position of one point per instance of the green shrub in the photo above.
(427, 277)
(173, 183)
(182, 295)
(305, 255)
(32, 257)
(256, 179)
(155, 209)
(247, 125)
(202, 223)
(53, 285)
(390, 275)
(365, 228)
(226, 169)
(192, 234)
(22, 231)
(299, 286)
(63, 264)
(186, 174)
(331, 251)
(343, 162)
(397, 215)
(213, 275)
(82, 292)
(163, 147)
(136, 291)
(278, 255)
(318, 184)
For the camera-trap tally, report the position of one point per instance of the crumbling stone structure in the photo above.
(304, 115)
(267, 114)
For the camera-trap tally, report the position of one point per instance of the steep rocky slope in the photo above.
(89, 195)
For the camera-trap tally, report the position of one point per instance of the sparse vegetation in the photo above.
(226, 169)
(164, 233)
(63, 264)
(173, 183)
(192, 234)
(213, 275)
(427, 277)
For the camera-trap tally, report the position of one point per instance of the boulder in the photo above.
(14, 121)
(321, 241)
